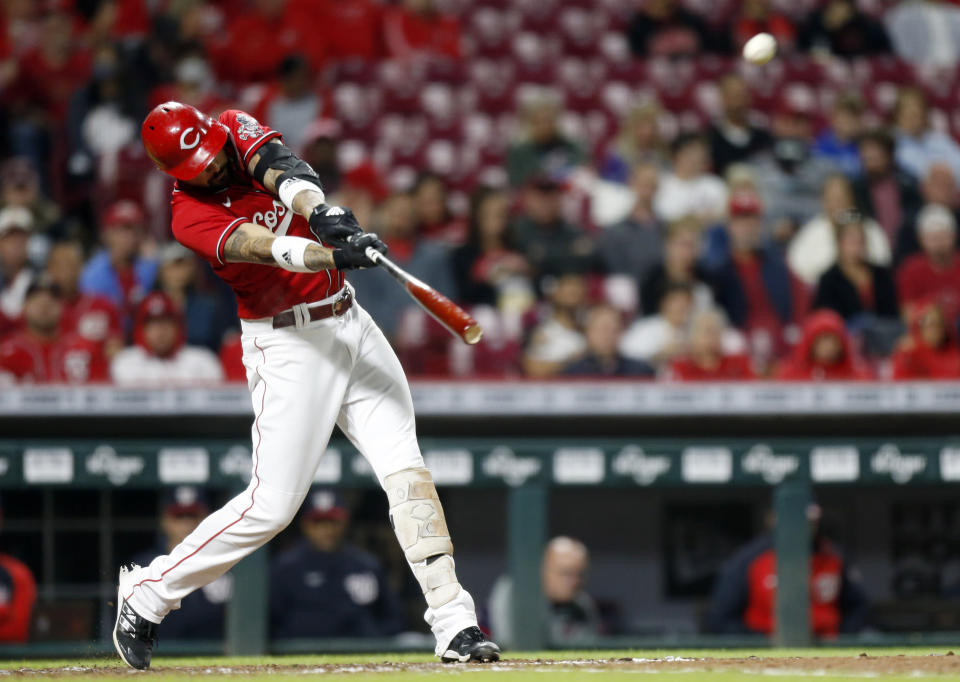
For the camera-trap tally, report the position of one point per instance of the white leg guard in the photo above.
(421, 529)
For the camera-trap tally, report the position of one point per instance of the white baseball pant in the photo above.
(302, 380)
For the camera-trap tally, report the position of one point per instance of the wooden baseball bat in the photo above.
(457, 320)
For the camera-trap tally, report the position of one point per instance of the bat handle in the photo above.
(373, 254)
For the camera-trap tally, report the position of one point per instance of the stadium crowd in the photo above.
(604, 183)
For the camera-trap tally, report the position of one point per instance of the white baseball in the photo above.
(760, 49)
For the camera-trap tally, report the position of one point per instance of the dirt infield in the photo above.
(863, 665)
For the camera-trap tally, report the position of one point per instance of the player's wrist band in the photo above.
(291, 187)
(289, 253)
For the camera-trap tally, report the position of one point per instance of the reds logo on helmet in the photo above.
(182, 140)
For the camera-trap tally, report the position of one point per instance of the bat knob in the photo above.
(473, 334)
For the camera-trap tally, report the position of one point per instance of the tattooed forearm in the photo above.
(249, 243)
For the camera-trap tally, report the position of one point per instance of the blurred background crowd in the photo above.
(605, 184)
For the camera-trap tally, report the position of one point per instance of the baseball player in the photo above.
(313, 357)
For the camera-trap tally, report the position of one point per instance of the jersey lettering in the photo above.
(270, 219)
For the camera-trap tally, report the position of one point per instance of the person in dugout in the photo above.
(18, 595)
(324, 588)
(201, 613)
(745, 592)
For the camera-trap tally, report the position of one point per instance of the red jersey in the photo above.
(18, 594)
(826, 580)
(92, 317)
(730, 368)
(203, 221)
(919, 279)
(71, 359)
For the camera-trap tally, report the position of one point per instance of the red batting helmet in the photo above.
(181, 140)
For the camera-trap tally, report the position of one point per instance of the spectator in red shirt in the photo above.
(40, 353)
(824, 352)
(418, 28)
(92, 317)
(231, 358)
(51, 72)
(935, 271)
(931, 351)
(752, 283)
(349, 29)
(258, 39)
(706, 359)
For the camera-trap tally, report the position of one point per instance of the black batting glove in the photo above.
(333, 223)
(353, 254)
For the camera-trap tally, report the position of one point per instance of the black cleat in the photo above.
(133, 635)
(470, 644)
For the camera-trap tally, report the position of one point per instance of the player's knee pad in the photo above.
(418, 521)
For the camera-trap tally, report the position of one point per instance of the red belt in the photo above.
(321, 312)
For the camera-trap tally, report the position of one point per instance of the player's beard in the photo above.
(225, 177)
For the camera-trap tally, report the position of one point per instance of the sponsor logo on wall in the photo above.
(900, 467)
(330, 467)
(237, 463)
(950, 464)
(118, 469)
(771, 467)
(834, 464)
(504, 464)
(706, 464)
(645, 469)
(450, 467)
(183, 465)
(48, 465)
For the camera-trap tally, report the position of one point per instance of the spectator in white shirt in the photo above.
(160, 356)
(925, 33)
(690, 190)
(918, 145)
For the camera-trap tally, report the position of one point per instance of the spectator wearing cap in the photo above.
(16, 224)
(842, 29)
(690, 189)
(814, 248)
(824, 352)
(18, 595)
(119, 272)
(853, 287)
(680, 264)
(557, 338)
(837, 142)
(752, 282)
(543, 150)
(94, 318)
(938, 186)
(201, 613)
(40, 353)
(551, 244)
(934, 273)
(931, 350)
(429, 260)
(883, 190)
(291, 103)
(206, 313)
(918, 144)
(193, 84)
(417, 28)
(603, 330)
(323, 587)
(715, 351)
(633, 246)
(664, 28)
(788, 175)
(159, 356)
(732, 137)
